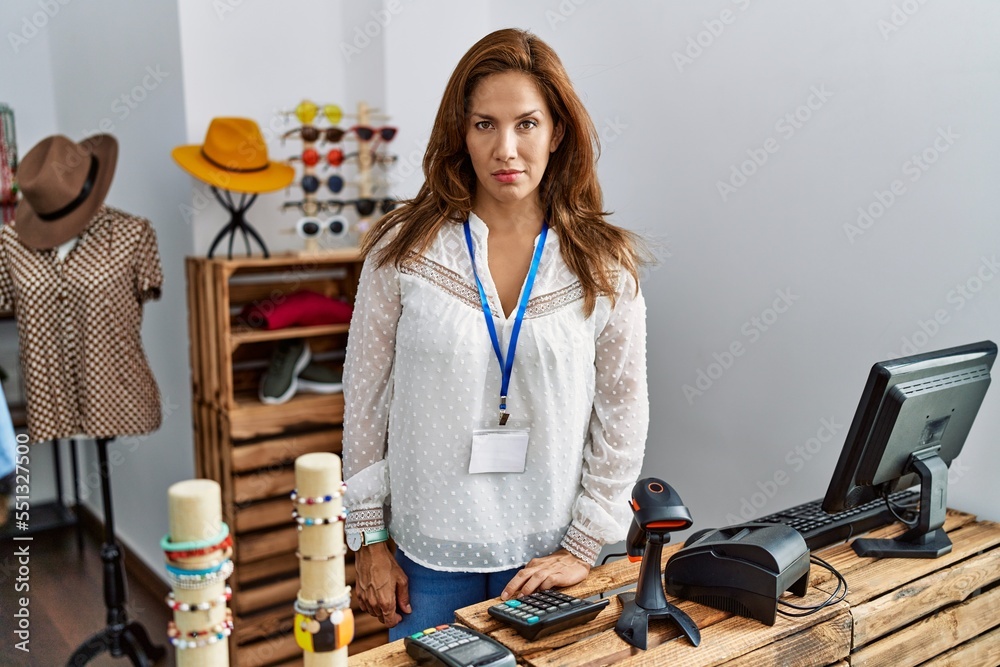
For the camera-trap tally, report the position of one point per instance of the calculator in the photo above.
(457, 646)
(545, 612)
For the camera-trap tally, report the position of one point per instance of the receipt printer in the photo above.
(742, 569)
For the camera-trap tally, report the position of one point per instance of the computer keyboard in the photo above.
(819, 528)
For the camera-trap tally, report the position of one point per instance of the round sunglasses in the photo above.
(365, 206)
(311, 227)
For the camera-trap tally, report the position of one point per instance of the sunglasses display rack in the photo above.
(324, 223)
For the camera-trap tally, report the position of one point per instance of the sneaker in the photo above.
(318, 379)
(278, 384)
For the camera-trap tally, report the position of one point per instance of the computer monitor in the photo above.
(913, 419)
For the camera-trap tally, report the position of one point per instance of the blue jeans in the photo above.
(8, 442)
(435, 595)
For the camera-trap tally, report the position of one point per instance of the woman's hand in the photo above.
(381, 586)
(558, 570)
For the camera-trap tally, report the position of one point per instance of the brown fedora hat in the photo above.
(62, 185)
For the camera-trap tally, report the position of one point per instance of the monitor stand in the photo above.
(927, 539)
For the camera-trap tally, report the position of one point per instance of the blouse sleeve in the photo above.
(371, 347)
(148, 272)
(612, 460)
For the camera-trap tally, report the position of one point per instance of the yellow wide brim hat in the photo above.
(234, 157)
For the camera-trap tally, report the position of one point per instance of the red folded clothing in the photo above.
(298, 309)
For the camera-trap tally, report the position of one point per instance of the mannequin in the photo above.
(76, 273)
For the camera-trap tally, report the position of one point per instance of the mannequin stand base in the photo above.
(119, 637)
(130, 641)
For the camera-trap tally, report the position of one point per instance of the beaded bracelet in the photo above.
(174, 633)
(302, 556)
(202, 568)
(209, 568)
(318, 500)
(310, 607)
(199, 606)
(194, 545)
(195, 582)
(319, 521)
(182, 644)
(191, 553)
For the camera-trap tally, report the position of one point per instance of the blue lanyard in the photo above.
(506, 366)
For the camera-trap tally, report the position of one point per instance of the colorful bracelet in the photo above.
(199, 606)
(198, 581)
(319, 521)
(318, 500)
(310, 607)
(182, 644)
(174, 633)
(302, 556)
(202, 568)
(194, 545)
(191, 553)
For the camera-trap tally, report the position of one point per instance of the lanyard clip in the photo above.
(504, 415)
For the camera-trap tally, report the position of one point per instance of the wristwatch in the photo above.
(358, 538)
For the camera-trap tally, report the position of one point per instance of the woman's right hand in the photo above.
(381, 586)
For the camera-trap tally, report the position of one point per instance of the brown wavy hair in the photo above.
(593, 248)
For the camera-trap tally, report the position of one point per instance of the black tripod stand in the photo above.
(237, 222)
(119, 638)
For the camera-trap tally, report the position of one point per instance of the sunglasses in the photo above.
(333, 135)
(306, 111)
(336, 157)
(311, 184)
(365, 206)
(311, 227)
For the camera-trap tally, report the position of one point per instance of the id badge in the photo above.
(499, 449)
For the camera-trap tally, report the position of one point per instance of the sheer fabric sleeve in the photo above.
(371, 348)
(619, 421)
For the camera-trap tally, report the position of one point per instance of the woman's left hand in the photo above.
(558, 570)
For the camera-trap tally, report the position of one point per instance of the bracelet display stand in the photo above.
(324, 622)
(120, 638)
(202, 621)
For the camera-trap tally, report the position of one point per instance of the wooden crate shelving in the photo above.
(249, 447)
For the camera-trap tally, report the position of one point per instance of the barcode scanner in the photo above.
(657, 511)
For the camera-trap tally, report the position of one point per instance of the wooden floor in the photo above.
(66, 602)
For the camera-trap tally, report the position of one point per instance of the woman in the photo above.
(504, 254)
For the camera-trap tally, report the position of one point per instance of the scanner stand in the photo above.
(649, 601)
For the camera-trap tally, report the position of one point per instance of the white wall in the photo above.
(671, 134)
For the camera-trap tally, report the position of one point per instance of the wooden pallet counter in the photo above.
(899, 612)
(250, 447)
